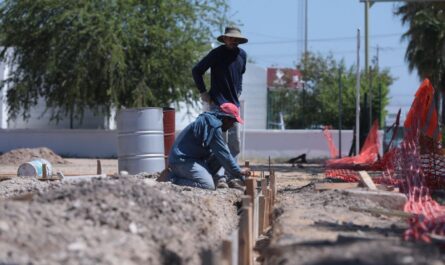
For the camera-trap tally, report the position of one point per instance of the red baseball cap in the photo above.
(232, 110)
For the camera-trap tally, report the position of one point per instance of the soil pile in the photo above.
(129, 220)
(17, 186)
(23, 155)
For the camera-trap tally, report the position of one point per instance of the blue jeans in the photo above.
(195, 173)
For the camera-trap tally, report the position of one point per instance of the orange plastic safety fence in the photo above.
(332, 149)
(368, 154)
(417, 166)
(421, 163)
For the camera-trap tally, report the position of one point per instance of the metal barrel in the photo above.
(169, 131)
(141, 140)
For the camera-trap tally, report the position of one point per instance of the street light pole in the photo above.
(366, 36)
(357, 98)
(305, 26)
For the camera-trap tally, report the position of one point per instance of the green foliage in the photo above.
(97, 54)
(426, 42)
(426, 36)
(318, 103)
(426, 39)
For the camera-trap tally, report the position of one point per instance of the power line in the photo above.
(382, 49)
(322, 39)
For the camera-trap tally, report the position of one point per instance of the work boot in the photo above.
(222, 184)
(164, 176)
(237, 184)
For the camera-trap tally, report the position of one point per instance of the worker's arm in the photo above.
(222, 153)
(200, 68)
(244, 56)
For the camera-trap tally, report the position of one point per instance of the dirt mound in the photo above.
(119, 221)
(23, 155)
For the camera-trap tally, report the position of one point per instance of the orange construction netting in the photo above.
(417, 166)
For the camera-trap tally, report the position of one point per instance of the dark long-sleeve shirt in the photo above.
(199, 140)
(227, 67)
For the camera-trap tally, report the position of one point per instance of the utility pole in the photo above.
(305, 26)
(367, 5)
(371, 71)
(357, 98)
(340, 112)
(377, 67)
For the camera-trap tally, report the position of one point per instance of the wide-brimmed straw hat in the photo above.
(233, 32)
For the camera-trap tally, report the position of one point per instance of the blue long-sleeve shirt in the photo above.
(227, 67)
(199, 140)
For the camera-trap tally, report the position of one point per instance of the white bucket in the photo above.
(34, 168)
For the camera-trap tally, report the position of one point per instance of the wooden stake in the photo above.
(366, 180)
(99, 167)
(266, 209)
(255, 218)
(227, 252)
(251, 188)
(273, 189)
(245, 237)
(262, 217)
(266, 204)
(270, 209)
(44, 172)
(263, 186)
(246, 201)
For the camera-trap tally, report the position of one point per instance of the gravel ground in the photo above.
(313, 227)
(131, 220)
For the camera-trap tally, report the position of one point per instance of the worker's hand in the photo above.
(205, 97)
(246, 172)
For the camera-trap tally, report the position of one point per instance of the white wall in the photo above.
(77, 143)
(253, 101)
(255, 97)
(260, 144)
(184, 115)
(41, 120)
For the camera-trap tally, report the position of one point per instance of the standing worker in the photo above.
(199, 151)
(227, 65)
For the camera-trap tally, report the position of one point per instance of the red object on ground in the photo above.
(169, 131)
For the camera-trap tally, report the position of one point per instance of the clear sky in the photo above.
(274, 32)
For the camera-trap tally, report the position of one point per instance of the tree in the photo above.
(317, 104)
(97, 54)
(426, 41)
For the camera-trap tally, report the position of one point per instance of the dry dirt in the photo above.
(135, 220)
(313, 227)
(22, 155)
(126, 220)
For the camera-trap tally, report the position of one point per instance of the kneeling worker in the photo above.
(199, 151)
